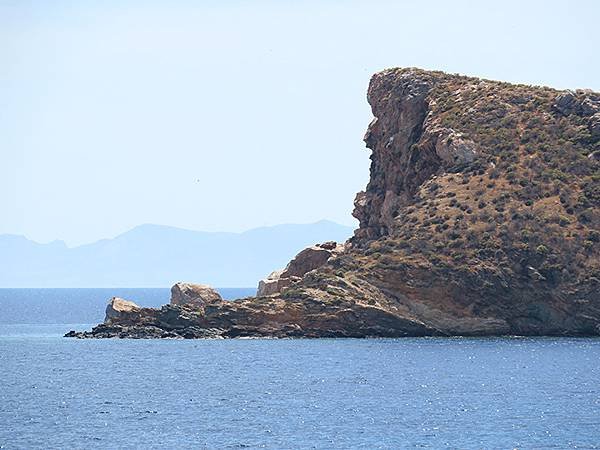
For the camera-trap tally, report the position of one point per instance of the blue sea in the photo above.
(282, 394)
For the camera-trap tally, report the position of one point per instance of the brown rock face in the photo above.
(274, 284)
(310, 258)
(193, 294)
(120, 309)
(469, 191)
(400, 167)
(481, 217)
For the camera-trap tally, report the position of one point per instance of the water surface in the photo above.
(328, 393)
(82, 305)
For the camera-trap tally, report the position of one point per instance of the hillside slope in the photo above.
(482, 212)
(481, 217)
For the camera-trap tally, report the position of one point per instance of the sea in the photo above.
(460, 393)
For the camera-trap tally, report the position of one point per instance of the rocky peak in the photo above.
(400, 101)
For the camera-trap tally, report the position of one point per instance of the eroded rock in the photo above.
(118, 308)
(581, 102)
(193, 294)
(308, 259)
(274, 283)
(566, 103)
(453, 148)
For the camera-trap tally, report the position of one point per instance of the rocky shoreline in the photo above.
(481, 218)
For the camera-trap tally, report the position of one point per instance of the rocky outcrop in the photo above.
(119, 308)
(400, 110)
(310, 258)
(193, 294)
(453, 148)
(481, 217)
(274, 283)
(581, 102)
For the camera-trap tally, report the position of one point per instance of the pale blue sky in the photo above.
(230, 115)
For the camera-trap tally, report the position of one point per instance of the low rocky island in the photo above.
(481, 217)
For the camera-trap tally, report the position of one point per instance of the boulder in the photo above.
(454, 149)
(566, 103)
(329, 245)
(269, 285)
(308, 259)
(118, 308)
(582, 102)
(274, 284)
(193, 294)
(589, 107)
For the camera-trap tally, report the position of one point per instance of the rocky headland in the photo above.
(481, 217)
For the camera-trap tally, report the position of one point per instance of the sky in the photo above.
(229, 115)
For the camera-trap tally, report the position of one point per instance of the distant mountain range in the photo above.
(158, 256)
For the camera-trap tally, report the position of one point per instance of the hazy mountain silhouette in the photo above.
(158, 256)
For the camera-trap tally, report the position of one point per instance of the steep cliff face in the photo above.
(397, 169)
(481, 217)
(409, 146)
(483, 203)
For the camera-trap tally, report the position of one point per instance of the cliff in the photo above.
(481, 217)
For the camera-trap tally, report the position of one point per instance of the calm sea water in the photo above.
(381, 393)
(82, 305)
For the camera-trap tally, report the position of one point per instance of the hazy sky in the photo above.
(225, 115)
